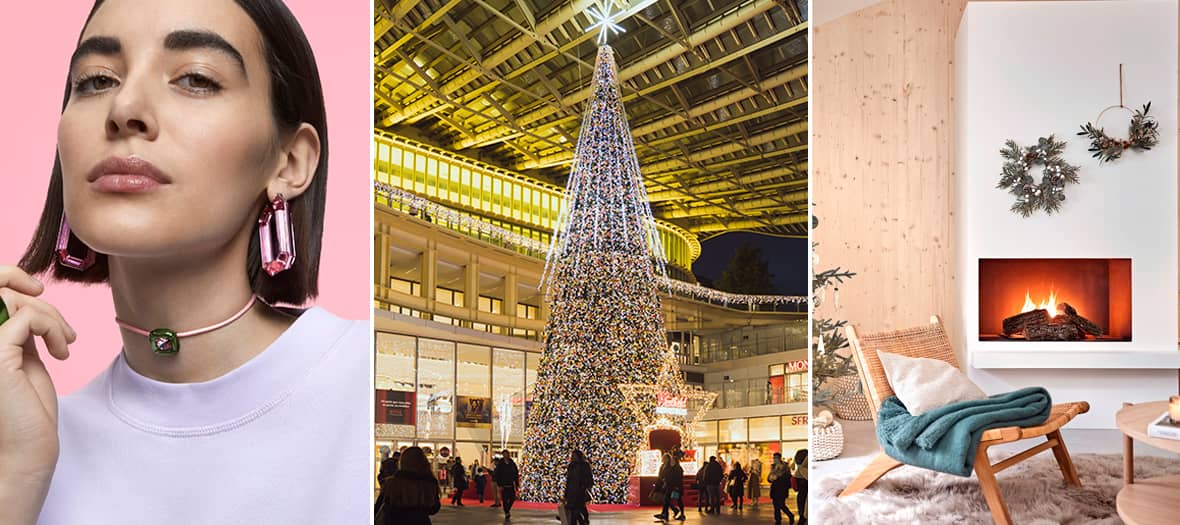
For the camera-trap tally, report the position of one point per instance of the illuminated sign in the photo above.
(671, 405)
(797, 366)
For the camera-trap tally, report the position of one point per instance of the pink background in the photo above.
(36, 40)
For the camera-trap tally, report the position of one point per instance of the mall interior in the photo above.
(477, 109)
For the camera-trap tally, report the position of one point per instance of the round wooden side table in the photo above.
(1147, 501)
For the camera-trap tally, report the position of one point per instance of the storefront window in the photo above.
(732, 430)
(395, 368)
(474, 388)
(795, 427)
(764, 428)
(436, 387)
(508, 369)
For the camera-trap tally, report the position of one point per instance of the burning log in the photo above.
(1085, 325)
(1055, 331)
(1021, 322)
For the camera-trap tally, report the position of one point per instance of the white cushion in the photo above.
(923, 384)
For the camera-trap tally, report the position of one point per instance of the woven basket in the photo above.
(827, 442)
(850, 404)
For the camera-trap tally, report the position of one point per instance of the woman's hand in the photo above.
(28, 402)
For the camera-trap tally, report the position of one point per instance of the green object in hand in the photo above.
(3, 312)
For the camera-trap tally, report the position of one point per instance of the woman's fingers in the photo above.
(17, 302)
(17, 279)
(39, 378)
(30, 319)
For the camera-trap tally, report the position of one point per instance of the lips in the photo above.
(130, 174)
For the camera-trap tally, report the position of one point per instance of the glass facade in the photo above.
(442, 378)
(742, 439)
(496, 196)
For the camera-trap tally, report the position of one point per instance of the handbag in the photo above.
(656, 495)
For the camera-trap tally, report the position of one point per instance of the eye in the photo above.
(198, 83)
(93, 84)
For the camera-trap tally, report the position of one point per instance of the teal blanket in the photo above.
(946, 438)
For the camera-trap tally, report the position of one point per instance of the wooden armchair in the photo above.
(931, 341)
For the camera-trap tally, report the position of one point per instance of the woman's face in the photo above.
(167, 142)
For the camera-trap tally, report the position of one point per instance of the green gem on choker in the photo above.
(165, 341)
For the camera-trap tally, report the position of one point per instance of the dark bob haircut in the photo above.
(296, 96)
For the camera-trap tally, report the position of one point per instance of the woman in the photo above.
(800, 475)
(578, 481)
(411, 496)
(458, 475)
(495, 487)
(187, 131)
(780, 486)
(754, 490)
(480, 475)
(737, 484)
(671, 478)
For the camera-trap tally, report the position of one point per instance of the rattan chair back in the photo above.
(928, 341)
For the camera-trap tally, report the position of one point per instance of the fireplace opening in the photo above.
(1055, 299)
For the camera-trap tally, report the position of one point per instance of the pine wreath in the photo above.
(1143, 134)
(1049, 194)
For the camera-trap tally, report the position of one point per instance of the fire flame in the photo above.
(1050, 304)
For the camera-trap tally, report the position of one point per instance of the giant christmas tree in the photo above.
(605, 324)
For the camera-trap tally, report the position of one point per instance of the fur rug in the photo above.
(1034, 491)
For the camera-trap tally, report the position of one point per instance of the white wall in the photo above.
(1028, 69)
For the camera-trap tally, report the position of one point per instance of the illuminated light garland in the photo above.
(606, 325)
(645, 400)
(442, 213)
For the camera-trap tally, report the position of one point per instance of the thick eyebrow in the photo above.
(195, 39)
(96, 45)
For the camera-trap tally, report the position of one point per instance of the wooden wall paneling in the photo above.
(882, 146)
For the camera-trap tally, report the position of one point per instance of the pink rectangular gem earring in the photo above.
(274, 227)
(64, 257)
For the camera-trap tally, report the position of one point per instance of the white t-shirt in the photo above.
(284, 438)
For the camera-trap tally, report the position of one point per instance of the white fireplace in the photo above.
(1025, 70)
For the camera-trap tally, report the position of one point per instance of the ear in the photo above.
(300, 156)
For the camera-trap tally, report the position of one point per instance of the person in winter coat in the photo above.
(780, 486)
(480, 476)
(702, 495)
(737, 485)
(754, 487)
(800, 475)
(507, 477)
(411, 495)
(495, 487)
(578, 480)
(714, 474)
(458, 474)
(671, 481)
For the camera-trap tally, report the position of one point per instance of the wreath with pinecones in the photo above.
(1016, 176)
(1142, 136)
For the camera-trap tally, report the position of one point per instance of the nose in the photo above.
(132, 112)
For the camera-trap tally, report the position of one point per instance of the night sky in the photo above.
(787, 259)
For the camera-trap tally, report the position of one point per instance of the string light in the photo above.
(445, 215)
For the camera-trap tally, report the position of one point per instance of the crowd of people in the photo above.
(410, 492)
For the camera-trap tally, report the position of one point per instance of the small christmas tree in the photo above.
(828, 361)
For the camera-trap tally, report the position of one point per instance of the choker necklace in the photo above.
(166, 341)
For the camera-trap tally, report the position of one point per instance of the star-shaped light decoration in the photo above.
(604, 22)
(669, 403)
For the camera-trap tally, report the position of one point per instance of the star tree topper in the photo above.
(604, 21)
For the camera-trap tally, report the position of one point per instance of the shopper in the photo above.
(480, 476)
(507, 476)
(411, 494)
(495, 487)
(780, 486)
(714, 475)
(699, 484)
(672, 480)
(458, 475)
(737, 485)
(754, 486)
(800, 475)
(661, 485)
(578, 480)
